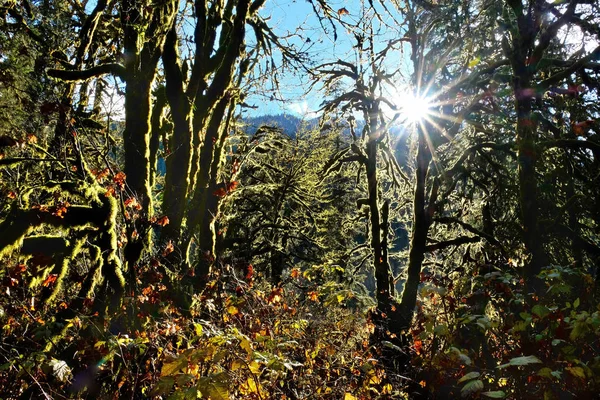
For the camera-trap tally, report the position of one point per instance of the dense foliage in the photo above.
(433, 232)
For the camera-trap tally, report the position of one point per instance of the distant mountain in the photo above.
(290, 124)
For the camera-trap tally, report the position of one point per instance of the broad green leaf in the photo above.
(469, 376)
(471, 387)
(576, 371)
(163, 386)
(173, 367)
(441, 330)
(519, 361)
(557, 374)
(545, 372)
(183, 379)
(576, 303)
(497, 394)
(579, 329)
(540, 311)
(390, 345)
(214, 386)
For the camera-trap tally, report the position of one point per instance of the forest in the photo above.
(427, 227)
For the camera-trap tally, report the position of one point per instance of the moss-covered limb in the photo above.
(13, 231)
(83, 191)
(88, 30)
(92, 279)
(16, 160)
(75, 75)
(111, 270)
(61, 269)
(21, 223)
(177, 179)
(157, 126)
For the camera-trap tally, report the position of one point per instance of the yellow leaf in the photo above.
(576, 371)
(348, 396)
(233, 310)
(474, 62)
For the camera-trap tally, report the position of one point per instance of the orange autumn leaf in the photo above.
(110, 192)
(50, 280)
(295, 273)
(162, 221)
(249, 272)
(119, 179)
(418, 346)
(220, 192)
(169, 248)
(132, 203)
(231, 186)
(343, 11)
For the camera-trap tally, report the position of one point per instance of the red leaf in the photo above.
(50, 280)
(162, 221)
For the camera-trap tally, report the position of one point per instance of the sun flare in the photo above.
(413, 108)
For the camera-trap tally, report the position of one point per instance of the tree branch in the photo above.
(111, 68)
(452, 242)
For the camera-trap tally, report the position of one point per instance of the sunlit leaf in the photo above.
(214, 386)
(497, 394)
(519, 361)
(471, 387)
(576, 371)
(60, 370)
(163, 386)
(540, 311)
(170, 368)
(469, 376)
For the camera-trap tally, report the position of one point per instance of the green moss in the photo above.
(61, 268)
(13, 231)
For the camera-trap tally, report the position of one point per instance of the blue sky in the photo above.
(288, 17)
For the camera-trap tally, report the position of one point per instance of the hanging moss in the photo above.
(112, 269)
(61, 268)
(13, 232)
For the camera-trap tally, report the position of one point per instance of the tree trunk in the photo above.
(177, 179)
(420, 228)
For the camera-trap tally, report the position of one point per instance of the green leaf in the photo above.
(545, 372)
(519, 361)
(390, 345)
(576, 303)
(496, 394)
(163, 386)
(441, 330)
(471, 387)
(576, 371)
(173, 367)
(540, 311)
(214, 386)
(469, 376)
